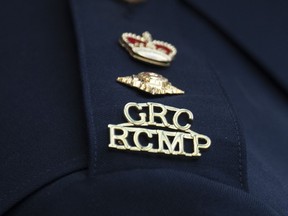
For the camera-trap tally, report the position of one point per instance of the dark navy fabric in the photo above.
(142, 192)
(103, 62)
(59, 64)
(259, 99)
(43, 129)
(258, 28)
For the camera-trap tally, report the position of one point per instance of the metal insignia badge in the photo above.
(150, 82)
(145, 49)
(169, 131)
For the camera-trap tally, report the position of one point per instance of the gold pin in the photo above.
(166, 136)
(150, 82)
(147, 50)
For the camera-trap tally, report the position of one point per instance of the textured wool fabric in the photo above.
(43, 130)
(59, 64)
(204, 97)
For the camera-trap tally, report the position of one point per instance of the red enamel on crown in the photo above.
(145, 49)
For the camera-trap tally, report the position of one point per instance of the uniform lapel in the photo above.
(99, 25)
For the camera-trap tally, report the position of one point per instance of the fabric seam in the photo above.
(86, 89)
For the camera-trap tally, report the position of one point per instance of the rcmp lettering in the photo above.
(177, 139)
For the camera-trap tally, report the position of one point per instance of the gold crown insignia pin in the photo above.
(145, 49)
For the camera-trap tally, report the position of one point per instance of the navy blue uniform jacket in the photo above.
(58, 64)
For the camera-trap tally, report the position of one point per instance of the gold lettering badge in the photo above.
(176, 139)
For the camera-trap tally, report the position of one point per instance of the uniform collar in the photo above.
(102, 60)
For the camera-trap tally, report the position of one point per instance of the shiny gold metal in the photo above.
(177, 139)
(145, 49)
(150, 82)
